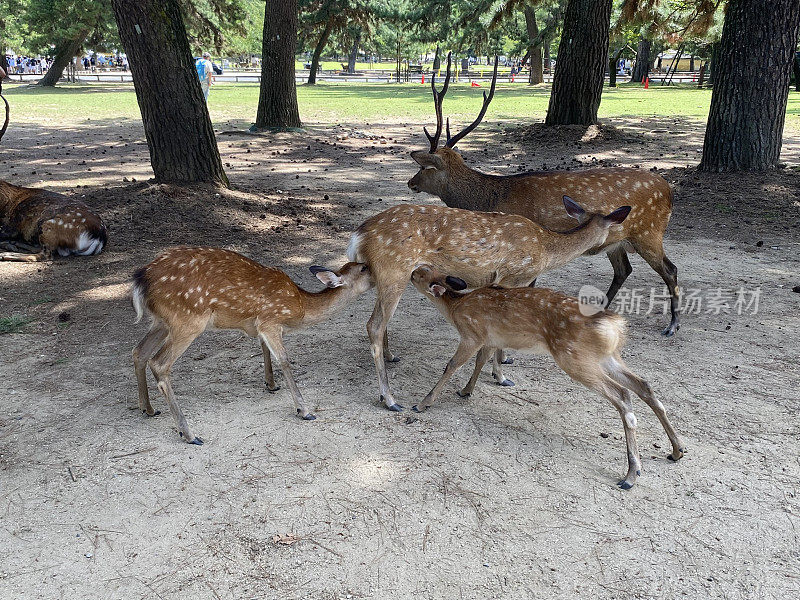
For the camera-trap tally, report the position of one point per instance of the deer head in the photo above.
(438, 165)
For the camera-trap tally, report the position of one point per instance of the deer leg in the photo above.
(497, 368)
(620, 373)
(274, 341)
(161, 365)
(387, 354)
(669, 273)
(480, 360)
(622, 268)
(22, 257)
(269, 378)
(141, 355)
(466, 350)
(619, 397)
(385, 305)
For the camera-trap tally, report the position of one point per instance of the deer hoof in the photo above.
(155, 413)
(392, 359)
(309, 417)
(625, 484)
(464, 394)
(418, 409)
(508, 361)
(506, 383)
(272, 390)
(396, 407)
(676, 456)
(671, 329)
(196, 441)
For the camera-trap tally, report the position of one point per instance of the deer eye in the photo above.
(364, 268)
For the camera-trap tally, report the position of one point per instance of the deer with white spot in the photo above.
(188, 290)
(540, 321)
(480, 248)
(537, 196)
(36, 224)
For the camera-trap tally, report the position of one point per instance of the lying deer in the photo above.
(480, 248)
(46, 224)
(537, 196)
(188, 290)
(541, 321)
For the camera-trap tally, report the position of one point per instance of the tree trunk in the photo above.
(323, 39)
(351, 62)
(581, 63)
(612, 67)
(641, 68)
(277, 97)
(796, 68)
(751, 85)
(546, 44)
(535, 50)
(179, 133)
(712, 67)
(691, 63)
(66, 50)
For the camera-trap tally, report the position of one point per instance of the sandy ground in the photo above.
(509, 494)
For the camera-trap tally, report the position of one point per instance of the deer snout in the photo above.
(413, 183)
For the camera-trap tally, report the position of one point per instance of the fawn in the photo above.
(542, 321)
(537, 196)
(481, 248)
(187, 290)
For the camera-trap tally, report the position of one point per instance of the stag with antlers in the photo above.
(537, 196)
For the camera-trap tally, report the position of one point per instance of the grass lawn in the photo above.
(357, 102)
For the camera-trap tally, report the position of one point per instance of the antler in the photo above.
(452, 141)
(437, 102)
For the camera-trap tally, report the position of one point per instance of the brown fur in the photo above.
(542, 321)
(537, 196)
(52, 221)
(188, 290)
(481, 248)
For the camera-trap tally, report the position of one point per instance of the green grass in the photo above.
(365, 103)
(14, 324)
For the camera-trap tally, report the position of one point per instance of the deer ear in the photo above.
(619, 215)
(455, 283)
(427, 159)
(326, 276)
(438, 290)
(574, 209)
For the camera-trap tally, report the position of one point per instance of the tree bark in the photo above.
(277, 98)
(641, 68)
(534, 50)
(546, 45)
(581, 63)
(351, 62)
(751, 86)
(712, 67)
(323, 39)
(179, 133)
(66, 50)
(612, 67)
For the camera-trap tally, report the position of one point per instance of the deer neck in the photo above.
(559, 247)
(472, 190)
(320, 306)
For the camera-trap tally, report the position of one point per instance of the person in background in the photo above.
(205, 71)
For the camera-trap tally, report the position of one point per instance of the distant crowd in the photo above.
(37, 65)
(27, 64)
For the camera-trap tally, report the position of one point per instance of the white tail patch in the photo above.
(87, 245)
(354, 247)
(612, 329)
(138, 301)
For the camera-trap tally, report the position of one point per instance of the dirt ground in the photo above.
(509, 494)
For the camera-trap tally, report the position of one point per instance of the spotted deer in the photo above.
(45, 224)
(540, 321)
(188, 290)
(480, 248)
(537, 196)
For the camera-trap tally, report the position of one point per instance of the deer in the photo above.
(537, 196)
(481, 248)
(585, 344)
(186, 290)
(36, 224)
